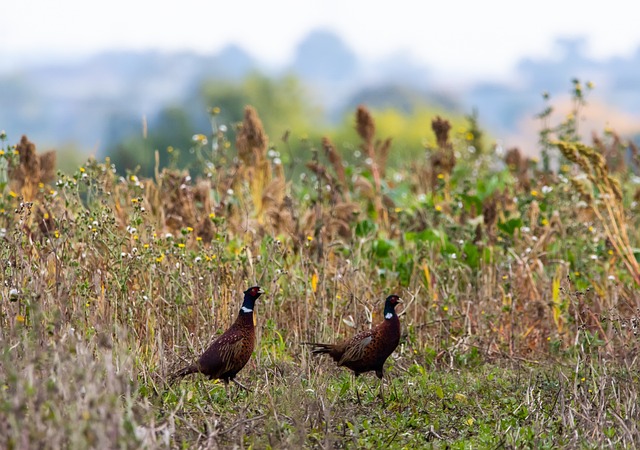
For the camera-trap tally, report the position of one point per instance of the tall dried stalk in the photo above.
(606, 201)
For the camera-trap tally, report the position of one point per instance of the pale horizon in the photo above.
(461, 39)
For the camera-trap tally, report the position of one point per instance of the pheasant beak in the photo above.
(400, 300)
(260, 291)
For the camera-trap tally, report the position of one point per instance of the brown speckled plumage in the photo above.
(369, 349)
(230, 352)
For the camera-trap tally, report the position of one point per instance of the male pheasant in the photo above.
(368, 350)
(230, 352)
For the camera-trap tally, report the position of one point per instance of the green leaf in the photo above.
(472, 255)
(382, 247)
(365, 228)
(428, 235)
(510, 226)
(471, 200)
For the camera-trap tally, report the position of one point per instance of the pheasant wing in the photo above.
(355, 349)
(223, 354)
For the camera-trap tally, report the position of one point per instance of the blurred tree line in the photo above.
(286, 108)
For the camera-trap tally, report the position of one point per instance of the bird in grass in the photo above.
(368, 350)
(230, 352)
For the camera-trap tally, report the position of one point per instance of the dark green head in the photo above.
(390, 306)
(250, 297)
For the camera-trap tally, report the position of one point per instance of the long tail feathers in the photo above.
(317, 348)
(183, 372)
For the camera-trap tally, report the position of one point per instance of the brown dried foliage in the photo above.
(32, 169)
(519, 167)
(443, 159)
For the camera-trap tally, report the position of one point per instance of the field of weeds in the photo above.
(519, 279)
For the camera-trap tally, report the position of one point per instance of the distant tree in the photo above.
(282, 103)
(170, 132)
(323, 55)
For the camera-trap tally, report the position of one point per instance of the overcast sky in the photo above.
(475, 37)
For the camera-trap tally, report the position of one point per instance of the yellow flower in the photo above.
(215, 110)
(12, 194)
(45, 216)
(445, 308)
(20, 318)
(134, 200)
(440, 176)
(40, 185)
(610, 252)
(469, 136)
(56, 234)
(200, 139)
(438, 208)
(145, 246)
(1, 152)
(534, 193)
(309, 238)
(544, 222)
(198, 238)
(81, 169)
(212, 215)
(189, 229)
(160, 258)
(181, 245)
(135, 237)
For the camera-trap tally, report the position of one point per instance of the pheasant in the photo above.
(368, 350)
(230, 352)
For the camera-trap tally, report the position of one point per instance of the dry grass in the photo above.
(520, 319)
